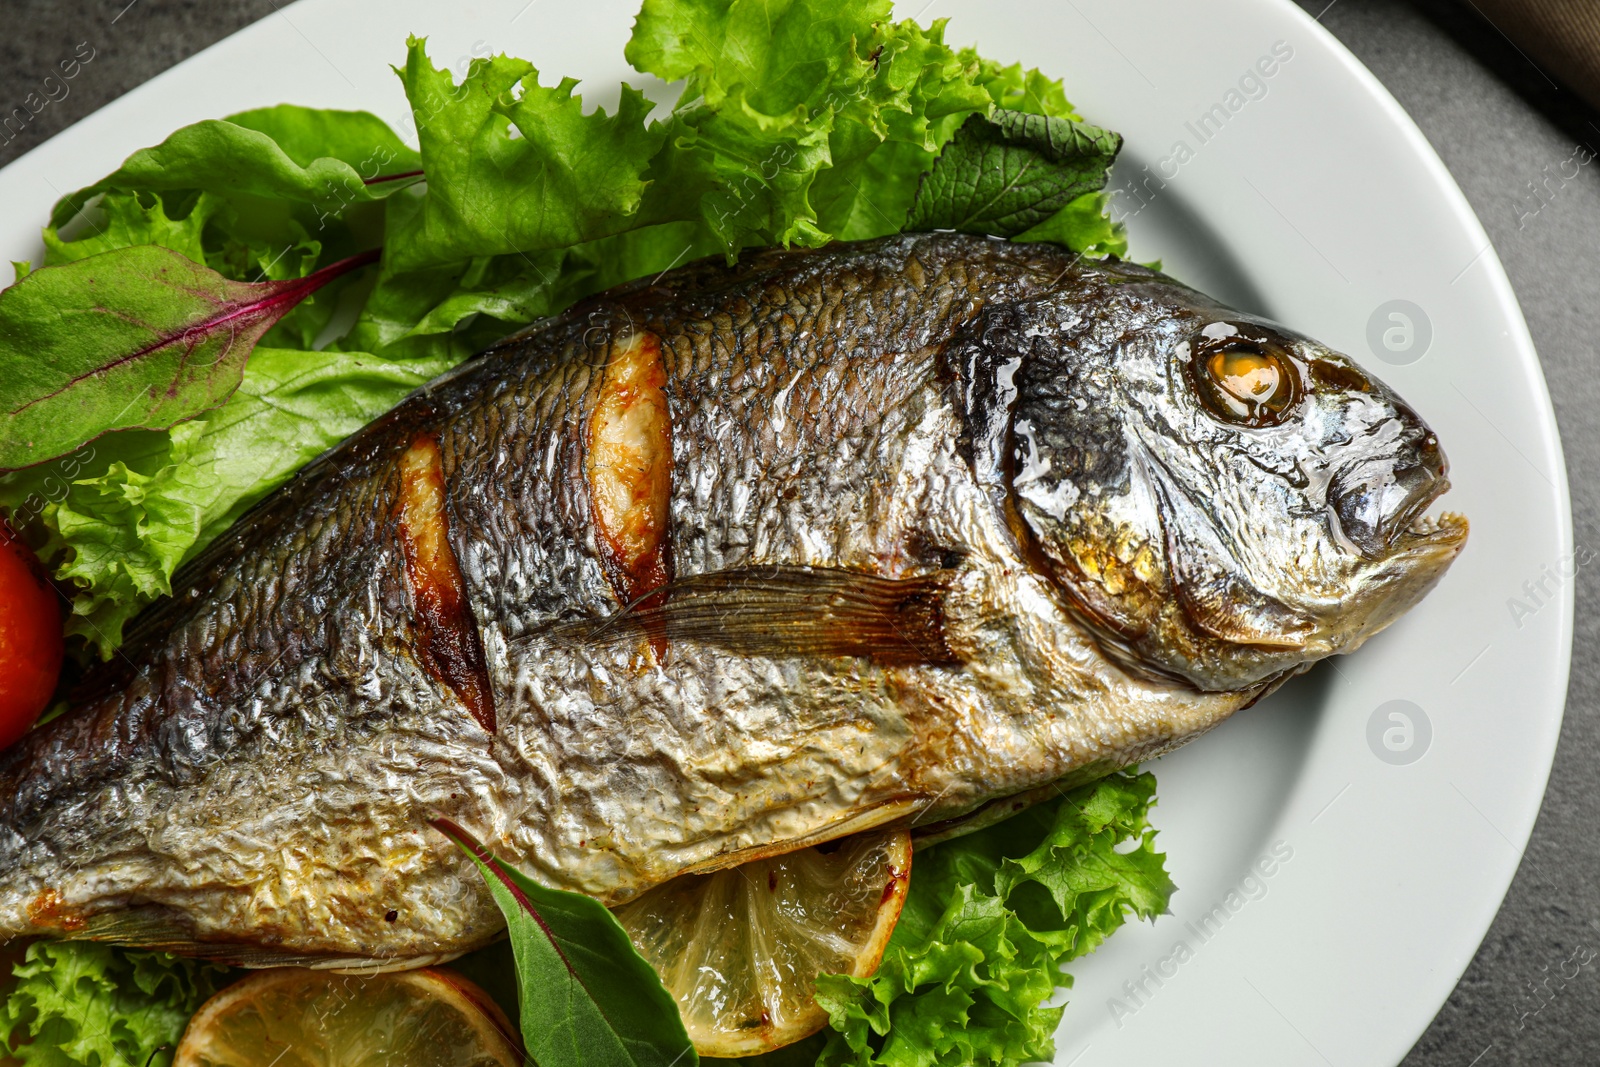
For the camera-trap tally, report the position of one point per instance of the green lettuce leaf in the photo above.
(765, 86)
(357, 138)
(799, 123)
(125, 511)
(514, 166)
(82, 1004)
(238, 160)
(990, 920)
(126, 219)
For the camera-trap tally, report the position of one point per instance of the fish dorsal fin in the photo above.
(788, 611)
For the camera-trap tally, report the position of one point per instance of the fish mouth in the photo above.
(1448, 528)
(1415, 530)
(1420, 549)
(1380, 509)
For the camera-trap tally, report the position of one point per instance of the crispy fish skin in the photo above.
(254, 775)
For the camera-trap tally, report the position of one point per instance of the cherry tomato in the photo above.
(30, 638)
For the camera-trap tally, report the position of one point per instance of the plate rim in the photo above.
(1507, 310)
(1510, 309)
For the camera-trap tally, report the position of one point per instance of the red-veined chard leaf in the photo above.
(587, 998)
(135, 337)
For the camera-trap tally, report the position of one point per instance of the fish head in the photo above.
(1221, 500)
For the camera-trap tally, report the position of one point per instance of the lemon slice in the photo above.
(740, 949)
(294, 1017)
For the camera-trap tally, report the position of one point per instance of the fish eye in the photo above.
(1243, 375)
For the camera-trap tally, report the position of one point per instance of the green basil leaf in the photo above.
(1010, 171)
(136, 337)
(587, 998)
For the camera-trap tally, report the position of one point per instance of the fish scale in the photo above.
(861, 623)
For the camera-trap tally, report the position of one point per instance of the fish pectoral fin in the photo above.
(788, 611)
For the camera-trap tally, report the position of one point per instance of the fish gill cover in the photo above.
(798, 124)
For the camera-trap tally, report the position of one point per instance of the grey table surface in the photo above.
(1497, 121)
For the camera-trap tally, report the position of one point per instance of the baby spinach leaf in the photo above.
(242, 159)
(1008, 172)
(136, 337)
(358, 138)
(587, 998)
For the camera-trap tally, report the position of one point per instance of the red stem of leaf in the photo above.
(295, 290)
(275, 301)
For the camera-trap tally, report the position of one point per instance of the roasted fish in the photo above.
(715, 566)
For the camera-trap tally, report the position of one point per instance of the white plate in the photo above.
(1316, 201)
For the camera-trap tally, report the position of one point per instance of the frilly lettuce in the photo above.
(79, 1004)
(989, 923)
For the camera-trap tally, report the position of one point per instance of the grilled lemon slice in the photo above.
(740, 949)
(300, 1018)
